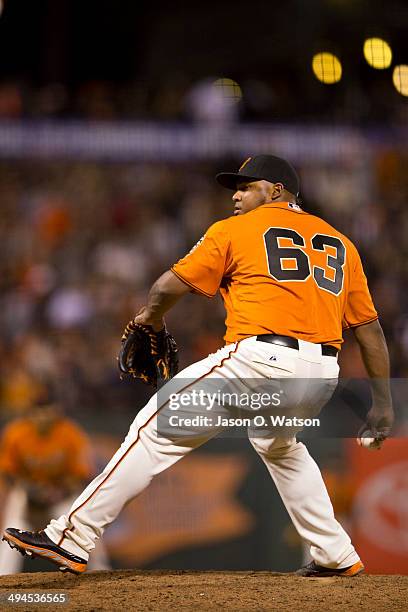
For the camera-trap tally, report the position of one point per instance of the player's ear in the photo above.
(277, 190)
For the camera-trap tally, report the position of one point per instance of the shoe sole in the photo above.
(355, 570)
(64, 565)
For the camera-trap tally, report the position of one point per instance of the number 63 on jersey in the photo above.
(277, 255)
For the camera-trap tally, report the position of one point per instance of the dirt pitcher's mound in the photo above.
(189, 590)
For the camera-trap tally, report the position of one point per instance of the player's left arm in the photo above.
(165, 292)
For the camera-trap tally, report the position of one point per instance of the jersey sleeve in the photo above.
(359, 307)
(204, 266)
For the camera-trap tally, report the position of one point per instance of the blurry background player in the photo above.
(45, 460)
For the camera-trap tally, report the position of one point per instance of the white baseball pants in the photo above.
(152, 445)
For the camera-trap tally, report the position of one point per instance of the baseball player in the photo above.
(45, 461)
(290, 283)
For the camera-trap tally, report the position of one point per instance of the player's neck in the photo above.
(283, 199)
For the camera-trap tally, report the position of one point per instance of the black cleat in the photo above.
(312, 570)
(38, 544)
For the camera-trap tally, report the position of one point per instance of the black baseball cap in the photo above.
(262, 168)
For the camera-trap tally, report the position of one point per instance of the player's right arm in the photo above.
(374, 352)
(361, 316)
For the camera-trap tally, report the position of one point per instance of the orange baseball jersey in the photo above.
(45, 459)
(281, 270)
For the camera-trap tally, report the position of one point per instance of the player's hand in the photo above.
(144, 317)
(379, 421)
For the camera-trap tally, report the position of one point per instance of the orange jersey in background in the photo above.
(281, 270)
(64, 452)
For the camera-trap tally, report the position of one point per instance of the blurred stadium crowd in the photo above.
(197, 100)
(82, 242)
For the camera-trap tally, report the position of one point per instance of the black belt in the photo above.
(327, 349)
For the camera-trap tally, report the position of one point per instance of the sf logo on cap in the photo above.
(245, 163)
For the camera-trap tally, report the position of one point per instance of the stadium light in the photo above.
(377, 53)
(229, 89)
(400, 79)
(327, 67)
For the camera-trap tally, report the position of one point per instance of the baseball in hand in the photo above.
(366, 440)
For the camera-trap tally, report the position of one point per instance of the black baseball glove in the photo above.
(148, 355)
